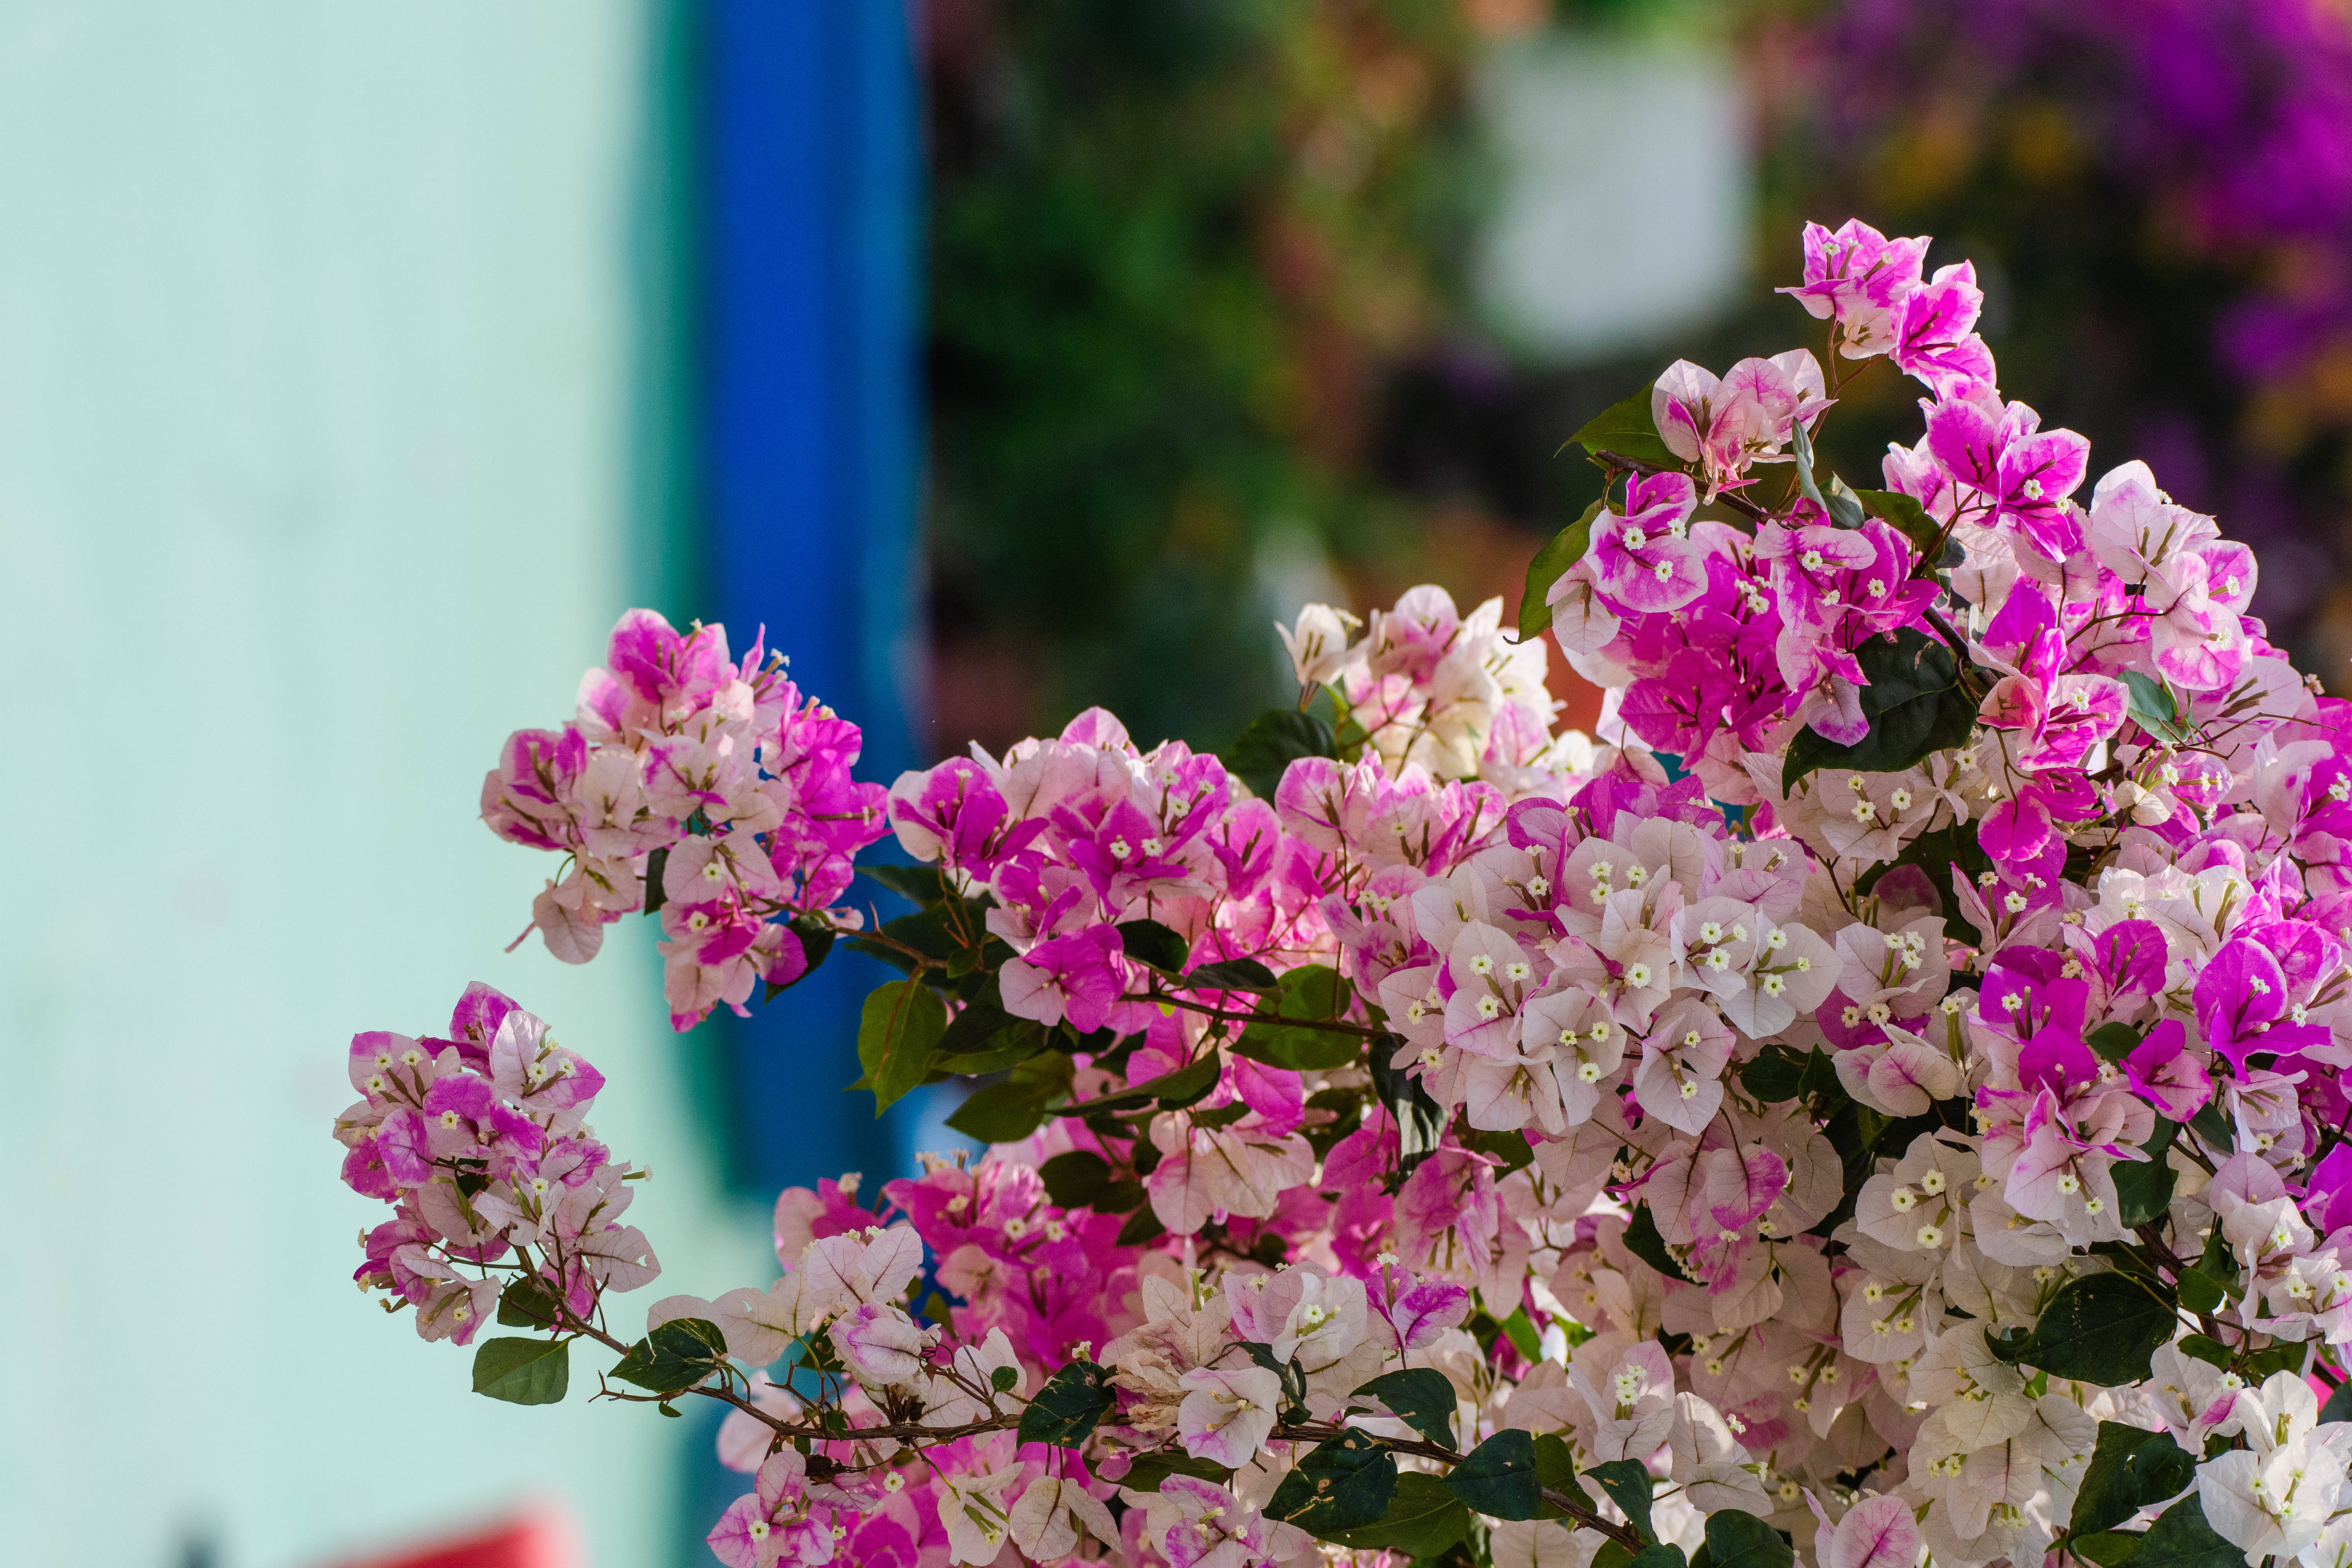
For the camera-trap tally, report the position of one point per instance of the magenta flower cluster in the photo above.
(1880, 1099)
(713, 793)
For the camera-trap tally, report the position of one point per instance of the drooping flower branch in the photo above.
(1881, 1097)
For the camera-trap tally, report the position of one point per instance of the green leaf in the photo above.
(1232, 974)
(1498, 1478)
(656, 867)
(1626, 428)
(1737, 1539)
(896, 1033)
(1911, 521)
(1312, 993)
(2180, 1538)
(1012, 1044)
(1344, 1484)
(523, 1372)
(1421, 1397)
(1551, 563)
(1274, 740)
(2101, 1329)
(2339, 1405)
(1627, 1482)
(678, 1354)
(1174, 1090)
(2154, 710)
(1520, 1329)
(529, 1303)
(2144, 1190)
(1555, 1462)
(1073, 1178)
(2130, 1468)
(1151, 944)
(2108, 1548)
(1914, 701)
(1009, 1111)
(1065, 1411)
(1420, 1120)
(816, 936)
(1806, 485)
(1665, 1554)
(2209, 1350)
(1423, 1520)
(1642, 1240)
(2214, 1128)
(2201, 1292)
(1846, 510)
(2114, 1042)
(1149, 1470)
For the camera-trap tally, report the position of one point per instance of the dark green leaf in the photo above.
(1313, 992)
(1555, 1463)
(1274, 740)
(1566, 549)
(1803, 444)
(1420, 1120)
(1627, 1482)
(1003, 1379)
(2339, 1405)
(1012, 1044)
(1232, 974)
(1009, 1111)
(656, 866)
(1423, 1519)
(529, 1303)
(2114, 1042)
(1912, 520)
(2154, 708)
(1074, 1178)
(1421, 1397)
(2101, 1329)
(1914, 701)
(1065, 1411)
(1143, 1226)
(901, 1025)
(2130, 1468)
(971, 1029)
(1665, 1554)
(2214, 1128)
(678, 1354)
(2180, 1538)
(1149, 1470)
(1845, 506)
(523, 1372)
(2144, 1189)
(1174, 1090)
(2199, 1291)
(1149, 943)
(1642, 1240)
(1498, 1478)
(1626, 428)
(1737, 1539)
(2200, 1347)
(1520, 1329)
(2108, 1548)
(1344, 1484)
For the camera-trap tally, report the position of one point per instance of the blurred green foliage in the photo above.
(1175, 245)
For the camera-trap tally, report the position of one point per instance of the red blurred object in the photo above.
(540, 1539)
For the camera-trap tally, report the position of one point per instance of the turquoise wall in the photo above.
(336, 427)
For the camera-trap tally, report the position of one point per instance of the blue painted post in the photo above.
(813, 407)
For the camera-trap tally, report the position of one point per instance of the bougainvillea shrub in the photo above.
(1879, 1099)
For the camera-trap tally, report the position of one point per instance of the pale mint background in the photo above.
(333, 378)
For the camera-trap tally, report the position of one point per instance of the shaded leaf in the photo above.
(1313, 992)
(530, 1302)
(1421, 1397)
(1423, 1519)
(2108, 1548)
(1154, 944)
(897, 1032)
(2144, 1190)
(1911, 520)
(1073, 1178)
(1012, 1043)
(1420, 1120)
(2181, 1538)
(1065, 1411)
(2101, 1329)
(1498, 1478)
(1644, 1241)
(1009, 1111)
(1626, 428)
(678, 1354)
(1914, 701)
(1149, 1470)
(2130, 1468)
(523, 1372)
(1232, 974)
(1551, 563)
(919, 885)
(1627, 1482)
(2339, 1405)
(1274, 740)
(1344, 1484)
(1737, 1539)
(2154, 710)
